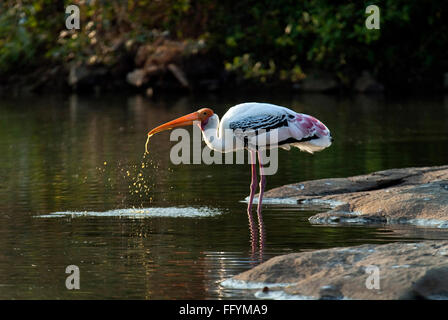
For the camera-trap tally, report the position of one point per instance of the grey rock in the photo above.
(137, 77)
(179, 75)
(406, 271)
(84, 75)
(417, 196)
(76, 74)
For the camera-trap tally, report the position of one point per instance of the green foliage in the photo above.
(251, 70)
(15, 40)
(332, 36)
(259, 40)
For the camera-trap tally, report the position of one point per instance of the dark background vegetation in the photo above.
(267, 42)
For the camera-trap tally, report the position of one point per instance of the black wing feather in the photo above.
(260, 122)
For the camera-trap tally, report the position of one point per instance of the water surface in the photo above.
(70, 168)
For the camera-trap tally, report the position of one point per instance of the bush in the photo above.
(258, 40)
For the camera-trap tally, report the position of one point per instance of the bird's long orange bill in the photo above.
(179, 122)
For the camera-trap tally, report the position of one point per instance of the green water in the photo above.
(72, 153)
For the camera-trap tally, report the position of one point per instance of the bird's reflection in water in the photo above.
(257, 243)
(257, 239)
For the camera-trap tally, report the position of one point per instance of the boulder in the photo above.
(156, 60)
(423, 205)
(136, 77)
(417, 196)
(384, 272)
(86, 76)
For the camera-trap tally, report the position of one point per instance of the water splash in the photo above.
(134, 213)
(146, 145)
(139, 179)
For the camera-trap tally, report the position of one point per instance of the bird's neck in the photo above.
(214, 136)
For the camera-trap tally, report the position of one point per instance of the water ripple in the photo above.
(133, 213)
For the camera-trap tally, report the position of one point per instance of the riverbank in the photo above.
(166, 66)
(187, 46)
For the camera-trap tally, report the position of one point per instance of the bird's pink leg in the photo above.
(253, 188)
(260, 200)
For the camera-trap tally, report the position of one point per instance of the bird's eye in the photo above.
(205, 113)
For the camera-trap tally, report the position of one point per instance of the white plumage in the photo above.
(254, 124)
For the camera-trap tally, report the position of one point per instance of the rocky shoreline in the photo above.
(374, 272)
(412, 196)
(167, 66)
(416, 196)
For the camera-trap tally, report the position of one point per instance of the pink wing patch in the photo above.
(311, 126)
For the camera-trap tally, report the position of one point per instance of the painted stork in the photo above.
(247, 122)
